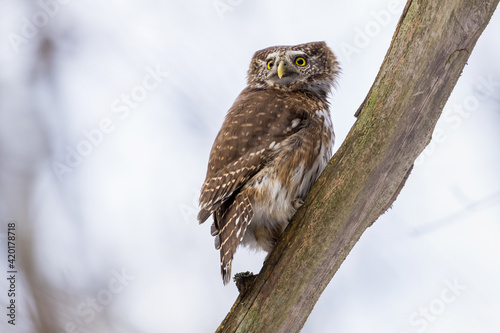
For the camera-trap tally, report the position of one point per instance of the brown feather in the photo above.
(275, 140)
(235, 222)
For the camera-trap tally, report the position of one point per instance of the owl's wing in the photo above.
(256, 123)
(218, 188)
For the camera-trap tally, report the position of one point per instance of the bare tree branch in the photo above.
(430, 47)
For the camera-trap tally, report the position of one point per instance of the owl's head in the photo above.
(311, 66)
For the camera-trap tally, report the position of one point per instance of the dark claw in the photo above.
(297, 203)
(244, 281)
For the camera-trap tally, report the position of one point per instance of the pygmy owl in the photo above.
(275, 141)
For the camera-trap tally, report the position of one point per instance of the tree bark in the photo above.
(430, 47)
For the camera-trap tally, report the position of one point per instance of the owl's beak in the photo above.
(281, 69)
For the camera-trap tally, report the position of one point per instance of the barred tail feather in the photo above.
(203, 215)
(234, 225)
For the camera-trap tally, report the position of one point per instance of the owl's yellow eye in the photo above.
(300, 61)
(270, 64)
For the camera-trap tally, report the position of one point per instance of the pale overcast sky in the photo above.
(108, 110)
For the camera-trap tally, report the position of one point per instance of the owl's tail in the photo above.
(232, 227)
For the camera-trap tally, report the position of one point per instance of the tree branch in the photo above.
(430, 47)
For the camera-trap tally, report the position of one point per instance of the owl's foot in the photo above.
(297, 203)
(244, 281)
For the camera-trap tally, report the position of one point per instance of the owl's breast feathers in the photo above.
(265, 133)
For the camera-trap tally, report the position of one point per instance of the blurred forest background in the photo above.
(108, 110)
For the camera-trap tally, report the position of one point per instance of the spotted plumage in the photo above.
(274, 142)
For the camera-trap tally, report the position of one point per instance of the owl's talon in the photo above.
(244, 281)
(297, 203)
